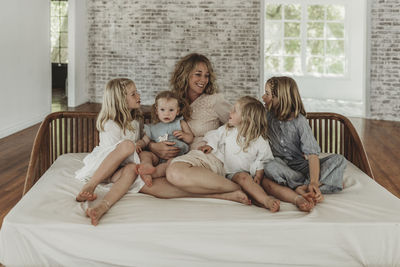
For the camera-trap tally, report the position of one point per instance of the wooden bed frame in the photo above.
(75, 132)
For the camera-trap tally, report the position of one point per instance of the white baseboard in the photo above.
(21, 125)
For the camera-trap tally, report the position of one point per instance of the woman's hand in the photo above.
(206, 149)
(164, 150)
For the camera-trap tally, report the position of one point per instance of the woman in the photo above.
(196, 172)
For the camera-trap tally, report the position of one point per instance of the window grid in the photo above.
(59, 31)
(306, 56)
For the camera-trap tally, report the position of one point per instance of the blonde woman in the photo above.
(242, 146)
(119, 126)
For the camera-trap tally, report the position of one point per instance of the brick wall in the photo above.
(385, 60)
(143, 40)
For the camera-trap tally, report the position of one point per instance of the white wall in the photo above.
(77, 53)
(25, 71)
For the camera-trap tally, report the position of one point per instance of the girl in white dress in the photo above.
(243, 148)
(118, 124)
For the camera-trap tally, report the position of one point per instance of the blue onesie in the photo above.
(164, 132)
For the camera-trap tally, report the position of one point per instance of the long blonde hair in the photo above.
(184, 110)
(289, 100)
(115, 107)
(253, 121)
(179, 81)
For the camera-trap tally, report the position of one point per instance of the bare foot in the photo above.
(98, 211)
(303, 204)
(145, 171)
(87, 193)
(147, 179)
(272, 204)
(237, 196)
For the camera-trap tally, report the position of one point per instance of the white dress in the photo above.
(226, 149)
(109, 139)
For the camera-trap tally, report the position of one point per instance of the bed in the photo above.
(359, 226)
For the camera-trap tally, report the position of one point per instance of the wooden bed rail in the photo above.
(75, 132)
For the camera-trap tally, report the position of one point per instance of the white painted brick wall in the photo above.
(143, 40)
(385, 60)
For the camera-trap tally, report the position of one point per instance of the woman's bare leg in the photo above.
(198, 180)
(161, 188)
(255, 190)
(106, 169)
(118, 189)
(286, 194)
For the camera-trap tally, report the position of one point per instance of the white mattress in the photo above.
(357, 227)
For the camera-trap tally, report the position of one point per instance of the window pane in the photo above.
(55, 55)
(54, 8)
(64, 55)
(64, 24)
(334, 66)
(292, 29)
(54, 39)
(335, 12)
(273, 47)
(64, 39)
(335, 30)
(274, 12)
(273, 30)
(63, 8)
(316, 12)
(315, 65)
(272, 64)
(335, 48)
(315, 47)
(55, 24)
(293, 12)
(292, 65)
(315, 29)
(292, 47)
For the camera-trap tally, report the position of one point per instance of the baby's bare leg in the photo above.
(106, 169)
(255, 190)
(118, 189)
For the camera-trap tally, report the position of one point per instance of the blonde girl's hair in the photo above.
(184, 110)
(253, 121)
(179, 81)
(115, 106)
(289, 100)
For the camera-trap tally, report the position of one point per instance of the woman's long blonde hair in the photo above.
(184, 110)
(253, 121)
(115, 106)
(179, 81)
(289, 100)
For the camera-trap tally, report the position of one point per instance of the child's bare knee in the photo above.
(242, 177)
(126, 147)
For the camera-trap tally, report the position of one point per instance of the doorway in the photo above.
(59, 54)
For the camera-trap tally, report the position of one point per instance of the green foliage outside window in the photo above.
(324, 39)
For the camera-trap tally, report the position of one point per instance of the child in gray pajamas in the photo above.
(295, 149)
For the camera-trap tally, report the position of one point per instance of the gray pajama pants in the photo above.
(296, 173)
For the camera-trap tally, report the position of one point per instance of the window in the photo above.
(322, 44)
(305, 38)
(59, 31)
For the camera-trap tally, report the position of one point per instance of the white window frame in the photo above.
(351, 86)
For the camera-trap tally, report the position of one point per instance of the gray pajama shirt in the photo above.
(290, 141)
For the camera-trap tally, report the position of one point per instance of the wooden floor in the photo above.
(381, 140)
